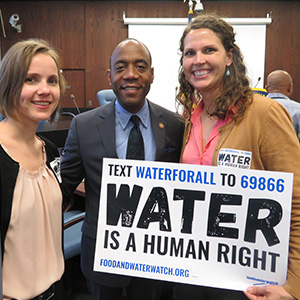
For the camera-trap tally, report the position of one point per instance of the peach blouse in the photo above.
(33, 257)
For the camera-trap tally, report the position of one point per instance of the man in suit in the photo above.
(103, 132)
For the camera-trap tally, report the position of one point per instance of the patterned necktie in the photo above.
(135, 146)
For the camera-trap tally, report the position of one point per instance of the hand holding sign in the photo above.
(270, 292)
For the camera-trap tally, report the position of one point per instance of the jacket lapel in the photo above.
(158, 128)
(106, 127)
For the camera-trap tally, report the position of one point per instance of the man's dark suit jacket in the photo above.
(91, 138)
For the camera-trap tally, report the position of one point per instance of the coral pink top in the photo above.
(193, 153)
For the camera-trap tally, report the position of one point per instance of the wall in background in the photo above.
(85, 32)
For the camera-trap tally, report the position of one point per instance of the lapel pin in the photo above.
(161, 125)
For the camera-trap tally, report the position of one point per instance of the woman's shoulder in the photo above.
(264, 109)
(51, 149)
(262, 100)
(262, 104)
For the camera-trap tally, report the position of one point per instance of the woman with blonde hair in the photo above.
(31, 86)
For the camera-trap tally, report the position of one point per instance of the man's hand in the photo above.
(269, 292)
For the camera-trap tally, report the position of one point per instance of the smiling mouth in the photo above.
(130, 88)
(201, 72)
(41, 103)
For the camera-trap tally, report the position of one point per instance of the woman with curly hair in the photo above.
(222, 114)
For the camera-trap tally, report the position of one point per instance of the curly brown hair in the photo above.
(236, 92)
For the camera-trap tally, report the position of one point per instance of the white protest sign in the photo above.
(214, 226)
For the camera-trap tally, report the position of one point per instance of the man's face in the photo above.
(130, 75)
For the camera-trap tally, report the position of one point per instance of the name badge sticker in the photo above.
(234, 158)
(55, 165)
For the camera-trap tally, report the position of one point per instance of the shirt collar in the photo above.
(277, 96)
(124, 116)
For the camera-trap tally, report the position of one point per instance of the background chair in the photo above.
(106, 96)
(73, 220)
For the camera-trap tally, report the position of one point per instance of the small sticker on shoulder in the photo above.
(234, 158)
